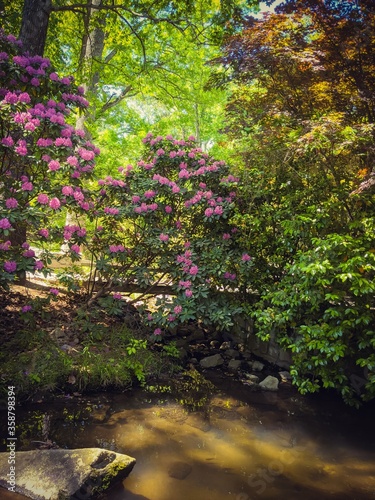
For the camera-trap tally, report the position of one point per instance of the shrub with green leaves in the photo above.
(169, 220)
(323, 311)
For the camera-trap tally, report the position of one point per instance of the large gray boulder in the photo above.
(269, 384)
(64, 474)
(212, 361)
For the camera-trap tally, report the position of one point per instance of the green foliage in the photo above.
(34, 363)
(302, 139)
(122, 360)
(323, 311)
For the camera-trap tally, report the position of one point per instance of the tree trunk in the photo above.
(33, 34)
(35, 18)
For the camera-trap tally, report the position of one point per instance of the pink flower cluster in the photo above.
(184, 284)
(5, 224)
(44, 233)
(6, 245)
(111, 211)
(144, 207)
(109, 181)
(116, 248)
(69, 231)
(10, 266)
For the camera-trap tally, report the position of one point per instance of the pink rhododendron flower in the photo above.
(38, 265)
(11, 98)
(163, 237)
(78, 196)
(63, 141)
(75, 248)
(7, 141)
(245, 257)
(136, 199)
(208, 212)
(226, 236)
(184, 284)
(43, 199)
(29, 253)
(55, 203)
(65, 80)
(81, 232)
(26, 309)
(21, 149)
(24, 97)
(183, 174)
(54, 165)
(193, 270)
(177, 309)
(168, 209)
(85, 154)
(73, 161)
(218, 210)
(157, 331)
(67, 190)
(27, 186)
(149, 194)
(112, 211)
(85, 205)
(6, 245)
(44, 233)
(5, 224)
(54, 291)
(117, 296)
(10, 266)
(188, 293)
(11, 203)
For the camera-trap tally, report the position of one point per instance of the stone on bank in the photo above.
(65, 474)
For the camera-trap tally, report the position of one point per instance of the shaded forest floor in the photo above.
(61, 345)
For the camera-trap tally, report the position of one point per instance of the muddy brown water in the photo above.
(233, 444)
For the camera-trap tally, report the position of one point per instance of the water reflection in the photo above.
(237, 446)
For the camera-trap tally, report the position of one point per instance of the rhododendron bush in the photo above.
(169, 221)
(166, 220)
(43, 157)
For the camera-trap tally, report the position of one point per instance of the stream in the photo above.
(219, 442)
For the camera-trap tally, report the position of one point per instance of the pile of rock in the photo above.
(231, 358)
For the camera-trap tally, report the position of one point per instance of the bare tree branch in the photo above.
(113, 102)
(81, 7)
